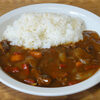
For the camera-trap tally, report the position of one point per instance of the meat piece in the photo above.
(90, 49)
(93, 39)
(83, 75)
(90, 34)
(31, 61)
(96, 45)
(80, 53)
(35, 72)
(4, 46)
(62, 78)
(94, 35)
(44, 80)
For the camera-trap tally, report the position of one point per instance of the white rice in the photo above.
(43, 30)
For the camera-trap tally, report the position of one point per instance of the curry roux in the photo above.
(55, 67)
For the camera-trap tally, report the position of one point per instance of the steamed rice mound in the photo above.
(43, 30)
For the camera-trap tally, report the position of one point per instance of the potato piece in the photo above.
(62, 57)
(36, 54)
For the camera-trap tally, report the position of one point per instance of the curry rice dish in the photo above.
(63, 56)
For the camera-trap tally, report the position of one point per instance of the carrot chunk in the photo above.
(78, 64)
(36, 54)
(16, 57)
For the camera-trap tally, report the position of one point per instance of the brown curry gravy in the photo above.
(59, 66)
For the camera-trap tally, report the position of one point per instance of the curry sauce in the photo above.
(58, 66)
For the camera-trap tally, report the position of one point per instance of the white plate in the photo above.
(92, 22)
